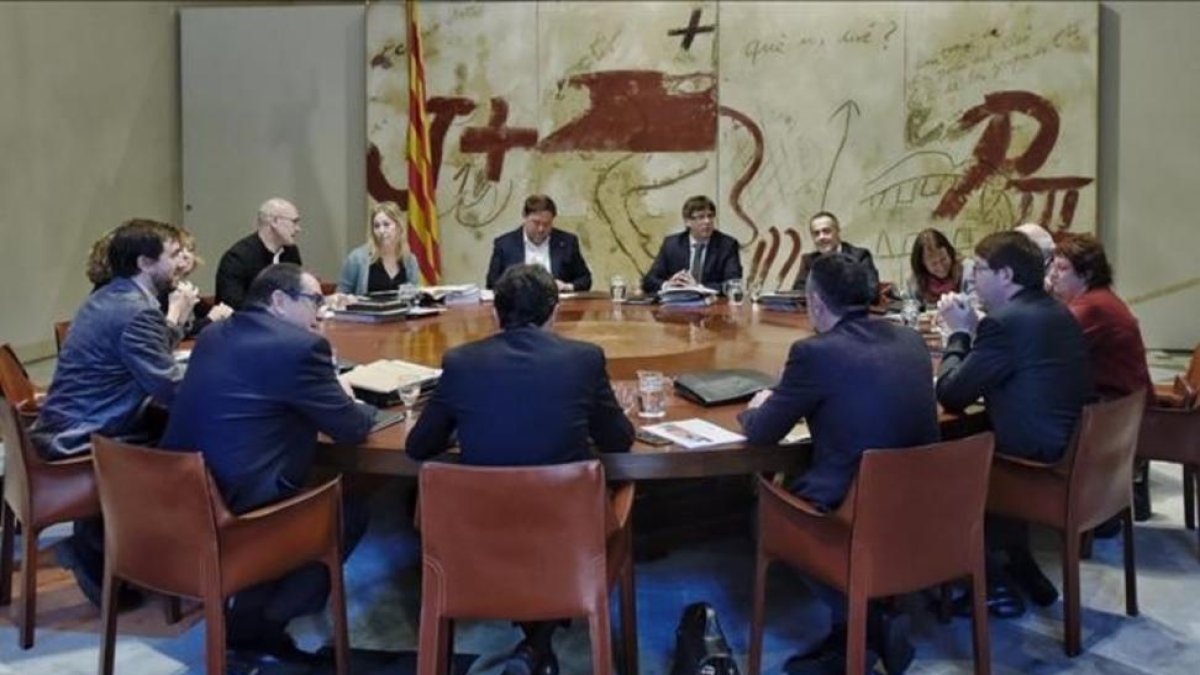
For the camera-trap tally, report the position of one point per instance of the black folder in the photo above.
(714, 387)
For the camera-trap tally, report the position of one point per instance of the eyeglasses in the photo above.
(317, 300)
(703, 215)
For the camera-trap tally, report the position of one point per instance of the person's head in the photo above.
(837, 284)
(1079, 265)
(933, 258)
(278, 223)
(826, 231)
(700, 217)
(538, 213)
(1041, 238)
(385, 231)
(188, 259)
(526, 295)
(145, 248)
(288, 293)
(98, 271)
(1005, 264)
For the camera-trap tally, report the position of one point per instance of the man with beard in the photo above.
(115, 367)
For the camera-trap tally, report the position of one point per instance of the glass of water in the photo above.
(652, 393)
(616, 288)
(910, 312)
(410, 394)
(735, 291)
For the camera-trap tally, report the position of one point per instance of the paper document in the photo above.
(385, 376)
(799, 434)
(694, 433)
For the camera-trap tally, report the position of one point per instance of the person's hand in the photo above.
(181, 301)
(564, 287)
(759, 399)
(957, 313)
(682, 278)
(338, 301)
(220, 312)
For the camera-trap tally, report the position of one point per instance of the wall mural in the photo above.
(969, 117)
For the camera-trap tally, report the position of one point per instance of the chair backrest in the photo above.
(14, 381)
(1193, 371)
(18, 455)
(160, 526)
(519, 543)
(918, 513)
(1101, 472)
(60, 334)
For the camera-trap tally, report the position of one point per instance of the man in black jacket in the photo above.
(273, 241)
(827, 238)
(537, 242)
(698, 255)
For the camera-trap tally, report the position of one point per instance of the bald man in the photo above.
(273, 241)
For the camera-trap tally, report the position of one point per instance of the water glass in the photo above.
(910, 312)
(652, 393)
(734, 291)
(410, 394)
(616, 288)
(756, 288)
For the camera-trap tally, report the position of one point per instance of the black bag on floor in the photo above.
(700, 646)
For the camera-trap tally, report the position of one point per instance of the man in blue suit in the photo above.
(536, 242)
(258, 389)
(860, 383)
(1028, 360)
(699, 255)
(523, 397)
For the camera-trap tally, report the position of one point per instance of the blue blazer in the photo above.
(566, 260)
(722, 261)
(866, 384)
(522, 397)
(256, 392)
(1029, 363)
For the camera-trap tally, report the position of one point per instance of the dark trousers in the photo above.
(264, 611)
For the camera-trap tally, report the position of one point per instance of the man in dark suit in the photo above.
(273, 241)
(523, 397)
(1028, 361)
(699, 255)
(827, 238)
(536, 242)
(860, 383)
(258, 388)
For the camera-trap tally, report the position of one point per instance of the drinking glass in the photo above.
(755, 289)
(616, 288)
(910, 312)
(409, 394)
(626, 394)
(652, 393)
(734, 291)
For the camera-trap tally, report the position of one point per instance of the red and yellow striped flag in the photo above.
(422, 203)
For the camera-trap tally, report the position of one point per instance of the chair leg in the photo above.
(598, 630)
(432, 641)
(108, 621)
(979, 621)
(337, 606)
(1189, 497)
(856, 630)
(214, 633)
(762, 563)
(29, 565)
(8, 524)
(1131, 601)
(629, 641)
(1071, 612)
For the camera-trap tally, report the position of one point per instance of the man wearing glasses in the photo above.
(700, 255)
(273, 241)
(259, 387)
(1028, 360)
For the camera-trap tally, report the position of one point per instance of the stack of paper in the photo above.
(694, 433)
(457, 294)
(385, 376)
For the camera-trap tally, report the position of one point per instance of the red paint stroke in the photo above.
(495, 140)
(442, 111)
(735, 193)
(756, 261)
(991, 150)
(378, 186)
(641, 111)
(1028, 187)
(772, 251)
(794, 237)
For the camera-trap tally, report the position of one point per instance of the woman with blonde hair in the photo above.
(384, 263)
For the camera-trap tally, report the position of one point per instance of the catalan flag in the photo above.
(422, 203)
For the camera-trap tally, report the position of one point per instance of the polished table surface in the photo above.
(673, 340)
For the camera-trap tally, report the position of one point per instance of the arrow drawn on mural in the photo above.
(851, 109)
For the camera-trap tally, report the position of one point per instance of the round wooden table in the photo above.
(672, 340)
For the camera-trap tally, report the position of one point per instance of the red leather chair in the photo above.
(570, 547)
(1088, 486)
(1172, 434)
(166, 503)
(16, 386)
(913, 518)
(38, 494)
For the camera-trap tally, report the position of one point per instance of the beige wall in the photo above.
(89, 136)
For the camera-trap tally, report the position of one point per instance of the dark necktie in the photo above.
(697, 268)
